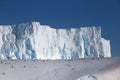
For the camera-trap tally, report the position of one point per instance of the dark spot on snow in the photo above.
(35, 67)
(73, 68)
(9, 63)
(5, 63)
(3, 73)
(24, 66)
(93, 77)
(58, 61)
(43, 60)
(75, 71)
(68, 65)
(98, 58)
(80, 59)
(69, 60)
(85, 60)
(1, 62)
(92, 58)
(33, 60)
(12, 67)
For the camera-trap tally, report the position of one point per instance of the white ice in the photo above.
(36, 41)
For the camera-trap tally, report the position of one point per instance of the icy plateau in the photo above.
(36, 41)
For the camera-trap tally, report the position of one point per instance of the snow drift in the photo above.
(80, 69)
(36, 41)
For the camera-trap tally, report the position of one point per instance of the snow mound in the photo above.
(87, 77)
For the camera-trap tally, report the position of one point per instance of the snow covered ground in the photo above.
(82, 69)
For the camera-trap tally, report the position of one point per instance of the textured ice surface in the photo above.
(87, 77)
(36, 41)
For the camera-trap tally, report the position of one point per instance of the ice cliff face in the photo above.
(35, 41)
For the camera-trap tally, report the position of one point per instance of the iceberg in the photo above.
(36, 41)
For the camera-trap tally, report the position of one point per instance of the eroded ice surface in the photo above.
(36, 41)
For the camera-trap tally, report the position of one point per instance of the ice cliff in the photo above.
(36, 41)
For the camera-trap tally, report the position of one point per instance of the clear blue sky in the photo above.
(66, 14)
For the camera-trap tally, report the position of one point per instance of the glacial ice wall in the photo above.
(36, 41)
